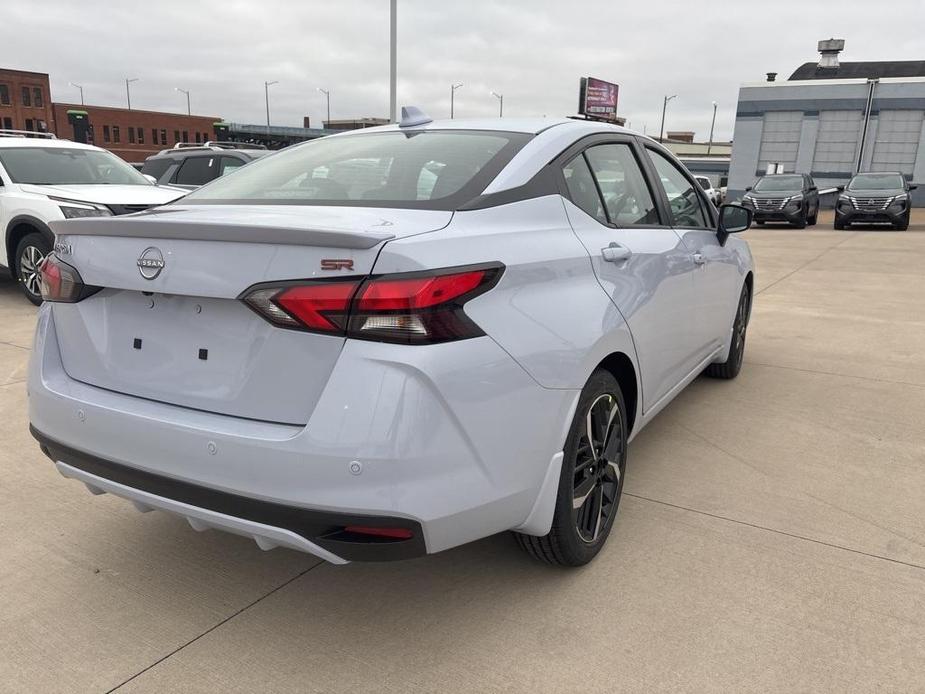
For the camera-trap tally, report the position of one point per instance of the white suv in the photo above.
(43, 179)
(709, 190)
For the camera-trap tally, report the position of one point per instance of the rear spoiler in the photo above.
(148, 228)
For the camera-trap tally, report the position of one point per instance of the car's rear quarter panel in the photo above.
(548, 311)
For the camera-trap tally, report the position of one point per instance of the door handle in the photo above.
(614, 253)
(699, 259)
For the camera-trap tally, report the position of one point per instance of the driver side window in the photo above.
(684, 201)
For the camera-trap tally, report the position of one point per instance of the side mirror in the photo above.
(150, 178)
(913, 187)
(747, 188)
(732, 220)
(840, 189)
(812, 188)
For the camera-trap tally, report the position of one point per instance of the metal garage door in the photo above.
(837, 141)
(780, 139)
(898, 134)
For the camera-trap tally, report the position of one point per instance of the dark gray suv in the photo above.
(874, 198)
(190, 165)
(792, 198)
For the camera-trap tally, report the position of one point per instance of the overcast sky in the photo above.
(532, 51)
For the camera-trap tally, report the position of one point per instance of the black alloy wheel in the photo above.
(591, 482)
(598, 474)
(733, 364)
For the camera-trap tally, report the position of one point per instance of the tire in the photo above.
(577, 535)
(903, 225)
(801, 222)
(30, 251)
(839, 225)
(733, 364)
(814, 218)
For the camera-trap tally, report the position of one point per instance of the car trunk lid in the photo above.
(176, 332)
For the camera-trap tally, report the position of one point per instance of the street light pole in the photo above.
(188, 110)
(453, 88)
(661, 131)
(712, 125)
(128, 94)
(81, 92)
(327, 94)
(393, 61)
(500, 98)
(266, 93)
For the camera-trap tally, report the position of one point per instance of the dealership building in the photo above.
(832, 119)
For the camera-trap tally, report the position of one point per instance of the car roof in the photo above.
(206, 151)
(532, 126)
(10, 142)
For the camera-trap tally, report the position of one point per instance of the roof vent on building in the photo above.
(771, 76)
(829, 50)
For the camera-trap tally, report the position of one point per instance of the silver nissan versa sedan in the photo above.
(386, 343)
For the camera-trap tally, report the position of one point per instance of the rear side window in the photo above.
(431, 169)
(156, 167)
(683, 199)
(622, 185)
(197, 171)
(582, 188)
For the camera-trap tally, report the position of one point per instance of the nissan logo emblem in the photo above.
(150, 263)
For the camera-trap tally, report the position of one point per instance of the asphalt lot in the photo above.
(772, 537)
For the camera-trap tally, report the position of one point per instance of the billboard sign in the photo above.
(598, 99)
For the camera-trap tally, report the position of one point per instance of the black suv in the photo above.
(792, 198)
(872, 198)
(190, 165)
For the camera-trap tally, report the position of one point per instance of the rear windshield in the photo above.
(424, 169)
(877, 182)
(779, 183)
(62, 166)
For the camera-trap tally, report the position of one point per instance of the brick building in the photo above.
(25, 101)
(25, 104)
(134, 134)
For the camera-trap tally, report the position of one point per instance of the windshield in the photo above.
(877, 182)
(773, 184)
(61, 166)
(425, 170)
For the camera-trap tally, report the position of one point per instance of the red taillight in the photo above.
(321, 307)
(414, 308)
(313, 306)
(61, 283)
(386, 294)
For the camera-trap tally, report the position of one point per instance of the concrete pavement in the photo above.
(772, 537)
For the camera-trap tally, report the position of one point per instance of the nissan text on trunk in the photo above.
(387, 343)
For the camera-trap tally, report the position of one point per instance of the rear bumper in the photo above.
(454, 441)
(317, 532)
